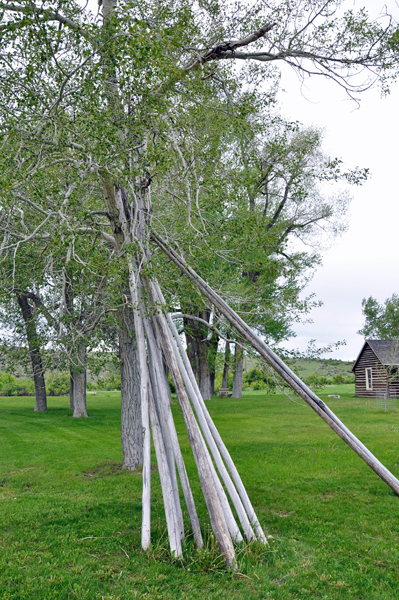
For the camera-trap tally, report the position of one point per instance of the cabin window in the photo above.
(369, 379)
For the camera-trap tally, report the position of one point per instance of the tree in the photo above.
(381, 320)
(97, 98)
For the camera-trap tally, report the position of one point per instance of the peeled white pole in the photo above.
(241, 501)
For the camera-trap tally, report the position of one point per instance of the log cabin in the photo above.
(376, 369)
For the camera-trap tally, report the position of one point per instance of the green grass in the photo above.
(70, 517)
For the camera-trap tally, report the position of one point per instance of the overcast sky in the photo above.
(364, 261)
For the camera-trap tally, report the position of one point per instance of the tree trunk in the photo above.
(213, 344)
(78, 384)
(70, 391)
(34, 353)
(226, 365)
(192, 346)
(238, 368)
(131, 425)
(204, 375)
(197, 350)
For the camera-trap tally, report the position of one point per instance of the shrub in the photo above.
(258, 384)
(259, 379)
(12, 386)
(316, 381)
(112, 382)
(57, 384)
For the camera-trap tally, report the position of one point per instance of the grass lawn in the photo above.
(70, 517)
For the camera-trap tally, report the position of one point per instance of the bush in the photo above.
(259, 379)
(90, 386)
(12, 386)
(258, 384)
(57, 384)
(316, 381)
(112, 382)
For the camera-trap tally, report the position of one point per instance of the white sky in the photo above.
(364, 261)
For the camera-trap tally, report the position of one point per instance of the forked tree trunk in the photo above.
(78, 384)
(131, 425)
(226, 365)
(34, 353)
(238, 368)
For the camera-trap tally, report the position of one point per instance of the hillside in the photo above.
(323, 367)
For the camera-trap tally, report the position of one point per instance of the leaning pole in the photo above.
(279, 366)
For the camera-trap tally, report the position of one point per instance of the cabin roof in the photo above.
(387, 351)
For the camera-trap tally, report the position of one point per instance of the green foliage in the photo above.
(381, 320)
(112, 382)
(13, 386)
(57, 384)
(317, 381)
(259, 378)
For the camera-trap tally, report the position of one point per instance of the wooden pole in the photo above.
(241, 501)
(156, 371)
(231, 522)
(201, 456)
(281, 368)
(169, 426)
(166, 482)
(139, 331)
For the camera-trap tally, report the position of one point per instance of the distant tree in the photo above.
(381, 320)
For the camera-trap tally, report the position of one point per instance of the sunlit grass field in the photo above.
(70, 517)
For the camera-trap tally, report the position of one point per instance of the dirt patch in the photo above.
(282, 514)
(106, 468)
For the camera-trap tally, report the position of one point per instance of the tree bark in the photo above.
(78, 384)
(204, 375)
(131, 425)
(226, 366)
(197, 350)
(34, 353)
(70, 391)
(213, 344)
(238, 368)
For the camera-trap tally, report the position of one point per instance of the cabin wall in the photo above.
(369, 360)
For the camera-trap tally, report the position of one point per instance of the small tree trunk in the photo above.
(226, 365)
(78, 381)
(70, 391)
(213, 344)
(238, 368)
(34, 353)
(192, 345)
(131, 425)
(204, 375)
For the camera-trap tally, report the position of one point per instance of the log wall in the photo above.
(369, 360)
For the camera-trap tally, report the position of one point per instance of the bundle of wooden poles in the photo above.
(158, 342)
